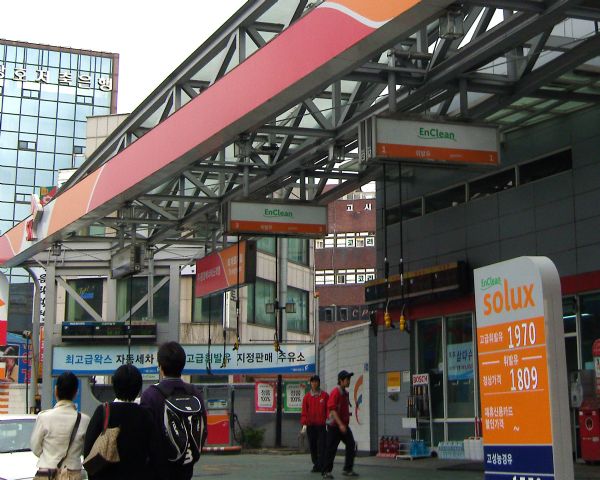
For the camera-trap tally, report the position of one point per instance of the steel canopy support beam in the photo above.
(532, 82)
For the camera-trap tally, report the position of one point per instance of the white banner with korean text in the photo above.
(249, 359)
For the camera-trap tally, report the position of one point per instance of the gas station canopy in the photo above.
(272, 102)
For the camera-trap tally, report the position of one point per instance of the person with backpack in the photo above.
(136, 430)
(338, 427)
(312, 418)
(57, 437)
(179, 416)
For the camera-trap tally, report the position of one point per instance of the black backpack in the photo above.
(182, 423)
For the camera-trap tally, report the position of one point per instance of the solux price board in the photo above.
(522, 371)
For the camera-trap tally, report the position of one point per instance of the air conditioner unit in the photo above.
(126, 261)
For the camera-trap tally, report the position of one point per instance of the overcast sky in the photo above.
(151, 37)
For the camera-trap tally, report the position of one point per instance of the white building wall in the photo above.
(349, 349)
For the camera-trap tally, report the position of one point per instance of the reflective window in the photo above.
(298, 250)
(430, 360)
(208, 309)
(47, 126)
(298, 321)
(26, 159)
(590, 327)
(9, 139)
(64, 144)
(10, 122)
(131, 290)
(260, 294)
(90, 290)
(65, 128)
(7, 175)
(30, 106)
(44, 178)
(266, 244)
(48, 108)
(460, 360)
(25, 176)
(11, 105)
(9, 157)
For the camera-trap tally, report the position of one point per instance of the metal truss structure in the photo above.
(513, 63)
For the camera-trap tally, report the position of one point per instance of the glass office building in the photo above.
(46, 95)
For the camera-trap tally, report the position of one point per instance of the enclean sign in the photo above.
(297, 220)
(438, 142)
(522, 371)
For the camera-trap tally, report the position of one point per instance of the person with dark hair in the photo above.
(11, 373)
(179, 416)
(338, 427)
(312, 418)
(134, 444)
(58, 435)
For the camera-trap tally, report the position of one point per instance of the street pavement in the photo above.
(297, 466)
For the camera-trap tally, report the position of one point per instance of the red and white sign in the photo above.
(420, 379)
(221, 270)
(295, 220)
(265, 394)
(436, 142)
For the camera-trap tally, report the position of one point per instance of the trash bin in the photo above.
(589, 430)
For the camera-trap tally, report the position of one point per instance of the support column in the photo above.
(49, 341)
(174, 305)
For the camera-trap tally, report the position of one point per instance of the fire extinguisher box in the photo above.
(589, 430)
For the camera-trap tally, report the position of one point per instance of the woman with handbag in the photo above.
(122, 431)
(57, 437)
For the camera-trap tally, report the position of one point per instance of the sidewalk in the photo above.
(289, 466)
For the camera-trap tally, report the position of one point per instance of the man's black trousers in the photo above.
(334, 437)
(316, 441)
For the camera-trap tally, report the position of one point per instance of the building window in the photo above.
(259, 294)
(545, 167)
(298, 250)
(298, 321)
(492, 184)
(266, 244)
(340, 279)
(319, 243)
(343, 317)
(329, 315)
(445, 199)
(131, 290)
(27, 145)
(329, 241)
(208, 309)
(349, 207)
(78, 149)
(90, 290)
(31, 93)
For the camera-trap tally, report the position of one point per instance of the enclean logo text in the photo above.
(276, 212)
(435, 133)
(490, 282)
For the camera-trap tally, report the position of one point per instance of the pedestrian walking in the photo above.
(58, 435)
(179, 416)
(313, 418)
(338, 427)
(135, 443)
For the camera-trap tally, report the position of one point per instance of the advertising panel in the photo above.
(105, 359)
(265, 397)
(460, 361)
(292, 219)
(3, 308)
(436, 142)
(393, 382)
(293, 394)
(221, 270)
(526, 429)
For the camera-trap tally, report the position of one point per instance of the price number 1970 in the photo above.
(521, 335)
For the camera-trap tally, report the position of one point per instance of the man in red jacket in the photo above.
(338, 427)
(314, 415)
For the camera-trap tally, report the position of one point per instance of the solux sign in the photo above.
(522, 371)
(43, 76)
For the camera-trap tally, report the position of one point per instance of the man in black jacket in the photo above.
(171, 361)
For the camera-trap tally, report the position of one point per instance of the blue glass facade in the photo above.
(46, 94)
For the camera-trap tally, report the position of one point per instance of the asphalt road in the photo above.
(297, 466)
